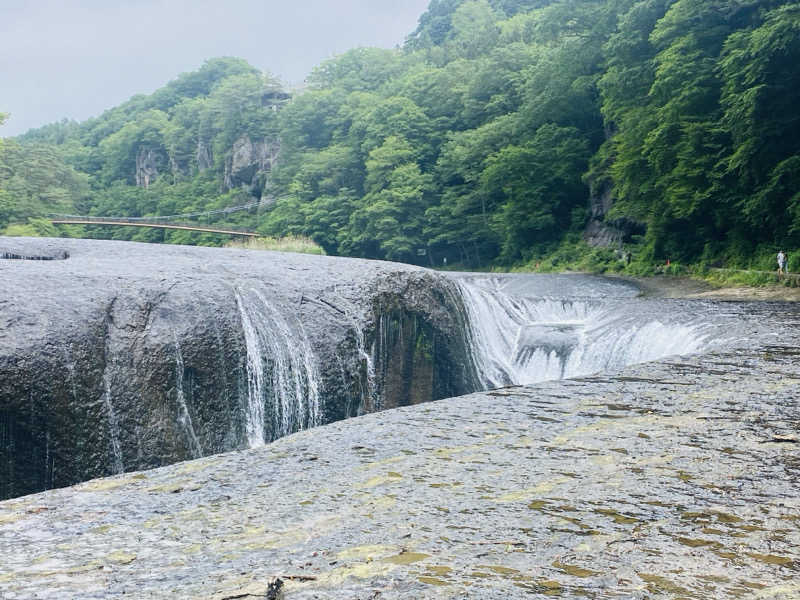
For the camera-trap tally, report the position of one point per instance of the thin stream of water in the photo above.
(184, 418)
(282, 376)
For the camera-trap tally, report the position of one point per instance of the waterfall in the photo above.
(369, 390)
(521, 339)
(113, 425)
(184, 418)
(282, 377)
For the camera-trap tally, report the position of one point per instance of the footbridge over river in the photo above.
(156, 224)
(164, 222)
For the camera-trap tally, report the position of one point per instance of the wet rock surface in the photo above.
(125, 356)
(675, 479)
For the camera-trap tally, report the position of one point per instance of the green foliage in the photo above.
(479, 142)
(536, 186)
(573, 254)
(389, 221)
(34, 181)
(361, 69)
(35, 227)
(703, 152)
(744, 278)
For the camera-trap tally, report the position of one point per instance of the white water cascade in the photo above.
(368, 397)
(113, 426)
(184, 418)
(520, 339)
(282, 377)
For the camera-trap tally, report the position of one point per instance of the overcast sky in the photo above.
(76, 58)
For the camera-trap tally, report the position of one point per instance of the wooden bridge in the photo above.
(156, 224)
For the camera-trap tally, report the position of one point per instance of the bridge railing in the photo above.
(154, 218)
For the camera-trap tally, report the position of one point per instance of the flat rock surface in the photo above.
(687, 287)
(673, 479)
(54, 285)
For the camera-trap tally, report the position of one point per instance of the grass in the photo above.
(746, 278)
(578, 256)
(572, 256)
(298, 244)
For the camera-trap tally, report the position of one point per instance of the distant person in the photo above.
(781, 262)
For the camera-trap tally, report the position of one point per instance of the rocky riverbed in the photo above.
(687, 287)
(676, 479)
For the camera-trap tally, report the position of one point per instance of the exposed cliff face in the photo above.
(248, 160)
(246, 167)
(602, 231)
(128, 356)
(203, 156)
(149, 163)
(597, 232)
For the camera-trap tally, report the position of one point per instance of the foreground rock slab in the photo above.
(675, 479)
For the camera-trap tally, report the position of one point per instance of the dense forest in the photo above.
(504, 131)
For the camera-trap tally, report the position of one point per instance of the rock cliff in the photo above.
(149, 163)
(124, 356)
(248, 160)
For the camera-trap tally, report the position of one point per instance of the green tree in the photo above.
(474, 30)
(390, 222)
(460, 225)
(121, 148)
(538, 187)
(35, 181)
(760, 94)
(359, 70)
(434, 25)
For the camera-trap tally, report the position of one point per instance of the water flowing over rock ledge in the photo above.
(670, 479)
(131, 356)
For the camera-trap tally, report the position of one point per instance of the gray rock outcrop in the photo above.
(203, 156)
(128, 356)
(149, 163)
(249, 159)
(598, 232)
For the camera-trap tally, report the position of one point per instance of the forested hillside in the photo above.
(502, 131)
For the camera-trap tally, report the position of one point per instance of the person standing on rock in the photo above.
(781, 262)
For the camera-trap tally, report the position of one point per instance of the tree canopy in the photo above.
(480, 141)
